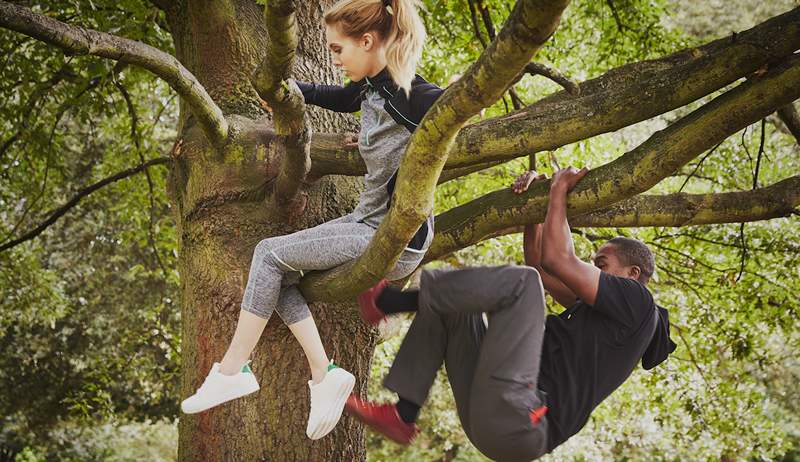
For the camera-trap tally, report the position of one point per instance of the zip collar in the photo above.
(381, 82)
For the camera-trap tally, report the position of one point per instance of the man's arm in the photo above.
(532, 248)
(558, 252)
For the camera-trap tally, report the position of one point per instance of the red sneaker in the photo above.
(383, 418)
(367, 308)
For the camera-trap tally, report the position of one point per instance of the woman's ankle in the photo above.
(231, 366)
(318, 372)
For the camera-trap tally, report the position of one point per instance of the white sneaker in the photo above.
(327, 401)
(219, 388)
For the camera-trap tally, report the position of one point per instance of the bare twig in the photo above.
(571, 86)
(136, 137)
(696, 167)
(79, 41)
(59, 212)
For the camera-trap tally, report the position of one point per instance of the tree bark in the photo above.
(222, 204)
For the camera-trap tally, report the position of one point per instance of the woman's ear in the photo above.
(368, 41)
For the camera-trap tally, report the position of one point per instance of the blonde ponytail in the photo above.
(404, 44)
(396, 21)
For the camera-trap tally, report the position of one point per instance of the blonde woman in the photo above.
(377, 44)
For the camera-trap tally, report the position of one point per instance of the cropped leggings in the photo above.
(277, 261)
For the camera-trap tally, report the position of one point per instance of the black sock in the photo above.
(408, 411)
(394, 300)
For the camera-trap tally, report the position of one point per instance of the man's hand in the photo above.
(566, 178)
(523, 181)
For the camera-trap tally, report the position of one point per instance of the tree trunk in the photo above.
(221, 207)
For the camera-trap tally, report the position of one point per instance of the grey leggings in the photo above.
(271, 284)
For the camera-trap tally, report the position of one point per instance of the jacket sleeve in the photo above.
(422, 98)
(333, 97)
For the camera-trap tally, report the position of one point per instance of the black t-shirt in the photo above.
(589, 351)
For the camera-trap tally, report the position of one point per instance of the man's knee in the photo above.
(530, 274)
(485, 437)
(530, 282)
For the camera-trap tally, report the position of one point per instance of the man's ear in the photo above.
(634, 272)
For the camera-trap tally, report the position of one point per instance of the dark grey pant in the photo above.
(493, 372)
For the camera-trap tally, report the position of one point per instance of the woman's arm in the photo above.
(333, 97)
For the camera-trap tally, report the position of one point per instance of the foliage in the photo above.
(89, 318)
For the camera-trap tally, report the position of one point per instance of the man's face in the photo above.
(607, 260)
(355, 58)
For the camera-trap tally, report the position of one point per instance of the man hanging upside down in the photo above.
(523, 382)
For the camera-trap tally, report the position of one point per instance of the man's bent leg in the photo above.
(505, 404)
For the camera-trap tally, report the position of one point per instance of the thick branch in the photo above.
(633, 173)
(76, 40)
(528, 27)
(626, 95)
(59, 212)
(675, 210)
(286, 100)
(788, 115)
(680, 209)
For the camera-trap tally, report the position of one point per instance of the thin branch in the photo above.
(620, 25)
(516, 101)
(529, 26)
(136, 137)
(76, 40)
(571, 86)
(696, 167)
(475, 26)
(755, 186)
(634, 172)
(788, 115)
(680, 209)
(63, 108)
(292, 127)
(59, 212)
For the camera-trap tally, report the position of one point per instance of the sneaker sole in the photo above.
(336, 411)
(231, 398)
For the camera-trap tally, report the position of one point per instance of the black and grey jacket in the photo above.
(388, 117)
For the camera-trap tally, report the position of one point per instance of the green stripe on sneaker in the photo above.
(331, 367)
(246, 368)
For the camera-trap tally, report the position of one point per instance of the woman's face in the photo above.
(357, 58)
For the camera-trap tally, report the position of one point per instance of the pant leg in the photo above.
(318, 248)
(292, 307)
(504, 389)
(483, 289)
(431, 340)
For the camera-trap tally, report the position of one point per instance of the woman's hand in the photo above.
(351, 140)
